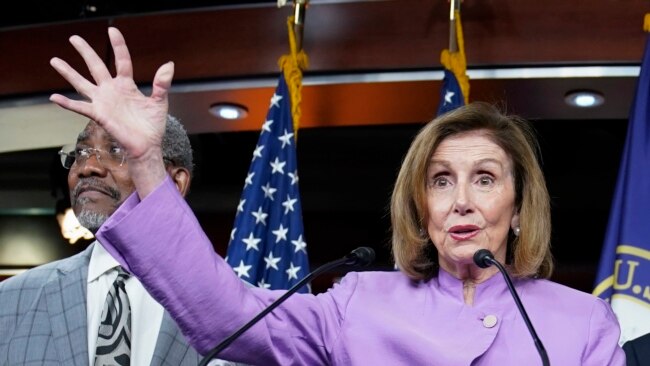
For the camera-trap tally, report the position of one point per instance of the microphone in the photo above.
(484, 259)
(361, 256)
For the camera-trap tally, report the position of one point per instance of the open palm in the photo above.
(135, 120)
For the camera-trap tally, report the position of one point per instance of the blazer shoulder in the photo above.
(380, 283)
(575, 304)
(38, 277)
(552, 290)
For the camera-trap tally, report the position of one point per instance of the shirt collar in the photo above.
(100, 262)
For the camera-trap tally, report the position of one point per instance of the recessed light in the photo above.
(584, 98)
(228, 111)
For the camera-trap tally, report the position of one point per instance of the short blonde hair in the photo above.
(529, 254)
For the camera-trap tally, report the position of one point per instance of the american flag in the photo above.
(267, 244)
(451, 95)
(453, 59)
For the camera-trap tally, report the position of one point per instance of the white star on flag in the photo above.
(251, 242)
(240, 207)
(258, 152)
(288, 204)
(262, 284)
(267, 126)
(278, 166)
(299, 244)
(249, 179)
(286, 138)
(260, 216)
(271, 261)
(268, 191)
(275, 99)
(294, 177)
(242, 269)
(448, 95)
(292, 271)
(280, 233)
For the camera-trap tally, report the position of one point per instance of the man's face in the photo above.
(97, 186)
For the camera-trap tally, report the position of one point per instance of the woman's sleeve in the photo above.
(160, 241)
(604, 332)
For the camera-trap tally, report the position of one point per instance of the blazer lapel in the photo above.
(66, 305)
(171, 347)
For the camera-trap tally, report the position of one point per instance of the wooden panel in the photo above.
(553, 31)
(26, 53)
(339, 37)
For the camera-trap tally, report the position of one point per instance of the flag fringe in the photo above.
(456, 61)
(646, 23)
(292, 66)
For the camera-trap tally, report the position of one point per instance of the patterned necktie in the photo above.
(114, 336)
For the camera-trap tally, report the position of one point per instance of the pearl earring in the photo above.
(516, 231)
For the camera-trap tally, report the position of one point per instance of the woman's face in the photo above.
(470, 199)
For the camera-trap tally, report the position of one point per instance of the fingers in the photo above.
(83, 86)
(95, 64)
(81, 107)
(162, 81)
(123, 64)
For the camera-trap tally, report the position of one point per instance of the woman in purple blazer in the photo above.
(470, 181)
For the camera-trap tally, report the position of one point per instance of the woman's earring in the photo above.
(516, 231)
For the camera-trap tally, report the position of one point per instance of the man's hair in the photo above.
(176, 144)
(529, 253)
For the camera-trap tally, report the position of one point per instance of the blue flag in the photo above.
(451, 96)
(624, 272)
(267, 244)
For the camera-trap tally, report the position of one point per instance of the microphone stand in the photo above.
(484, 258)
(353, 258)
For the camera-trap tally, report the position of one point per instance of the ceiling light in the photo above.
(584, 98)
(228, 111)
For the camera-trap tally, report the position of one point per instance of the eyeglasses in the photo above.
(114, 157)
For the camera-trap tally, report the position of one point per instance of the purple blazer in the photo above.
(370, 318)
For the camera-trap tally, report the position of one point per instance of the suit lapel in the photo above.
(171, 347)
(66, 305)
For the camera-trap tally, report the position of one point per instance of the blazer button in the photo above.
(490, 321)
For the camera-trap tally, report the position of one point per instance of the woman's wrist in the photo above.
(147, 171)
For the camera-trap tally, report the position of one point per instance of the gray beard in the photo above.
(91, 220)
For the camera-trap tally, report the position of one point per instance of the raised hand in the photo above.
(135, 120)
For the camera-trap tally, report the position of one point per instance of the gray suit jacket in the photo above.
(43, 319)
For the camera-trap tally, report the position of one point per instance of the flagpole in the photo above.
(454, 6)
(300, 8)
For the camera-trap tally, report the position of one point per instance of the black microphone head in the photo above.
(483, 258)
(362, 256)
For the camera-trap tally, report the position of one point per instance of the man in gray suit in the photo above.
(50, 315)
